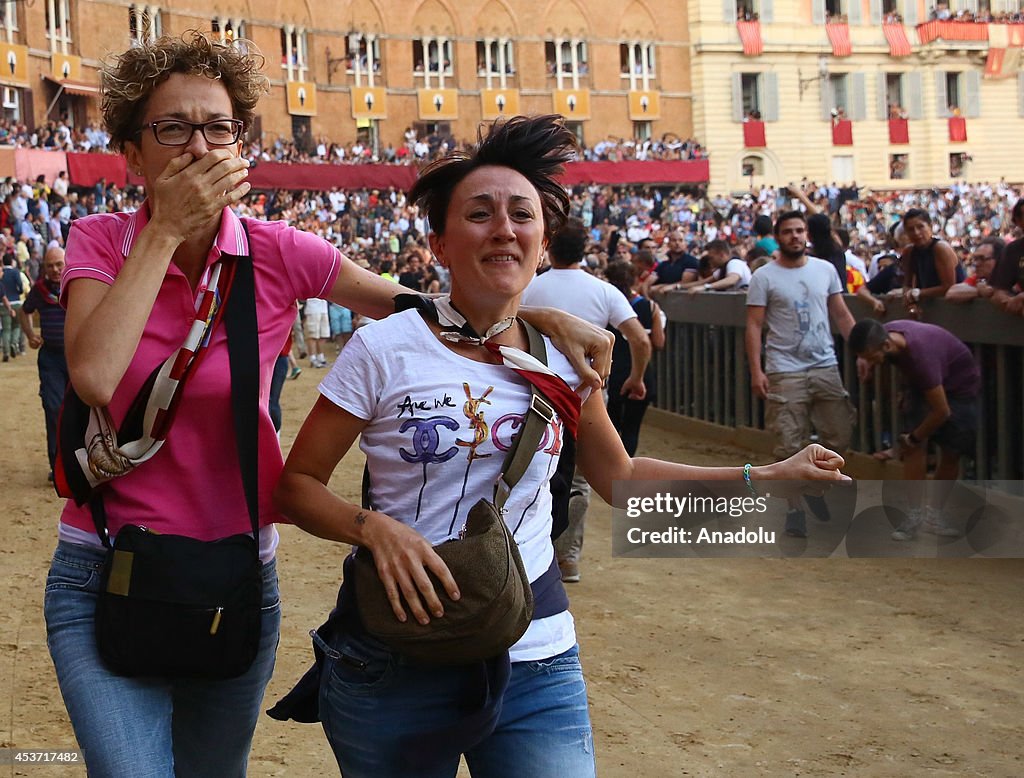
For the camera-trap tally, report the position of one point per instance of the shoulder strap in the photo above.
(537, 418)
(244, 359)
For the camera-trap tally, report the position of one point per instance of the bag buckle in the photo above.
(501, 492)
(542, 407)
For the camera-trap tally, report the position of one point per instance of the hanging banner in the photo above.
(64, 66)
(495, 103)
(573, 104)
(369, 102)
(14, 67)
(437, 104)
(644, 106)
(301, 98)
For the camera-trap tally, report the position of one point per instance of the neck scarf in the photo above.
(49, 292)
(455, 329)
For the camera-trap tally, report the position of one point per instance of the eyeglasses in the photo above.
(175, 132)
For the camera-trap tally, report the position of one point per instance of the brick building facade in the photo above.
(373, 69)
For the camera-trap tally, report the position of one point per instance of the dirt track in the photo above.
(736, 667)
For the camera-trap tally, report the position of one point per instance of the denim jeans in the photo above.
(276, 385)
(11, 331)
(371, 701)
(53, 381)
(149, 726)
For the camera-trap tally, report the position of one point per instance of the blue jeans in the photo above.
(149, 726)
(53, 381)
(276, 385)
(11, 330)
(371, 701)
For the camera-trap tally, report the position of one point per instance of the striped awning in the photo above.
(750, 35)
(839, 36)
(951, 31)
(896, 35)
(73, 87)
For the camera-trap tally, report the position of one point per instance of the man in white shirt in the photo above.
(731, 274)
(568, 287)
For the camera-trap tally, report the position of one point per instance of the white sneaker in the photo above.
(935, 523)
(907, 529)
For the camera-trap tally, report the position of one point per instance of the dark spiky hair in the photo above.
(537, 147)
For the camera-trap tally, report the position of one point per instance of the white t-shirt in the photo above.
(581, 294)
(796, 313)
(740, 268)
(439, 427)
(852, 260)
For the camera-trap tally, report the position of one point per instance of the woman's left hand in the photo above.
(812, 463)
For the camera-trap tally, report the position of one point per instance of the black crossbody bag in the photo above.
(174, 606)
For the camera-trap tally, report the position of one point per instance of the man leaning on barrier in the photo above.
(939, 404)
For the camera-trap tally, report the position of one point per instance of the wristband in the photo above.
(915, 293)
(747, 481)
(707, 287)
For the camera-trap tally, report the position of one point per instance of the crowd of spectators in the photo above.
(56, 135)
(381, 230)
(413, 149)
(420, 150)
(378, 225)
(943, 13)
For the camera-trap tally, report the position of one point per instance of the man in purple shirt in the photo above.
(940, 403)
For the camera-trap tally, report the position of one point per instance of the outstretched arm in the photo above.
(603, 460)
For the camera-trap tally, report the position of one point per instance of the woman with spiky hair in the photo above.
(448, 389)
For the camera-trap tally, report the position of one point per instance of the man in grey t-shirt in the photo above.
(796, 296)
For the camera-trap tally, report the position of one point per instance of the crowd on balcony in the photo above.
(54, 135)
(414, 149)
(943, 13)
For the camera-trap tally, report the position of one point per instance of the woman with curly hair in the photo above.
(135, 288)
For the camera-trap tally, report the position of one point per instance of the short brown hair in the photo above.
(131, 77)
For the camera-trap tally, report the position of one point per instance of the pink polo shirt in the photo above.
(192, 486)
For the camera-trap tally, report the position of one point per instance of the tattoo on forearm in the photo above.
(361, 517)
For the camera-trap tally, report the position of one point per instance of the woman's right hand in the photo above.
(403, 557)
(191, 193)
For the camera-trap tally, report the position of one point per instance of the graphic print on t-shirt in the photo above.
(478, 425)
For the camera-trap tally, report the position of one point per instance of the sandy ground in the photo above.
(736, 667)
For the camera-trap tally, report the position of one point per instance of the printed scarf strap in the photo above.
(566, 402)
(151, 415)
